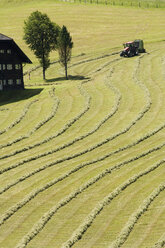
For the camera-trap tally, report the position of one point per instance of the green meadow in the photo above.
(82, 161)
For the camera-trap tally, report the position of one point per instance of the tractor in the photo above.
(132, 48)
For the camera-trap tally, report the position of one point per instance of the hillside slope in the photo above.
(82, 161)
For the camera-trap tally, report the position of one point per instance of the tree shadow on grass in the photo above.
(70, 77)
(11, 96)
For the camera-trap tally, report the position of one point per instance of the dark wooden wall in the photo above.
(11, 72)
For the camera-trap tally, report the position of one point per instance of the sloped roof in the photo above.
(4, 37)
(21, 54)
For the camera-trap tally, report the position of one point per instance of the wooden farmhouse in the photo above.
(12, 59)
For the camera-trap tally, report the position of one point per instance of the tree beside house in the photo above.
(65, 46)
(40, 34)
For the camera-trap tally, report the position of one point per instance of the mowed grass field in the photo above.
(82, 161)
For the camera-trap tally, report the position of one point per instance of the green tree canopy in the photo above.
(65, 46)
(41, 36)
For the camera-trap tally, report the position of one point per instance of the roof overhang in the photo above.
(7, 40)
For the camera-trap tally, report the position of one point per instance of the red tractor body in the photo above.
(132, 48)
(129, 49)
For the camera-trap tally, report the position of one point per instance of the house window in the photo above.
(18, 81)
(4, 82)
(9, 51)
(9, 67)
(2, 51)
(0, 67)
(17, 66)
(1, 85)
(10, 81)
(4, 66)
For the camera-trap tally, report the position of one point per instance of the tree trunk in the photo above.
(43, 58)
(44, 73)
(66, 71)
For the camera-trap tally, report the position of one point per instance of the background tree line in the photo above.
(43, 36)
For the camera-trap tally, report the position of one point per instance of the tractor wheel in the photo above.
(136, 53)
(122, 54)
(129, 54)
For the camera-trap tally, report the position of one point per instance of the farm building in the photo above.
(11, 60)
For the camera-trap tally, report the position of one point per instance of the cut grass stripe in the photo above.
(62, 130)
(108, 139)
(21, 179)
(107, 171)
(99, 159)
(75, 64)
(90, 218)
(50, 116)
(4, 109)
(160, 243)
(39, 125)
(54, 136)
(122, 237)
(20, 118)
(96, 128)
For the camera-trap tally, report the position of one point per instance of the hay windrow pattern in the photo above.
(40, 124)
(160, 243)
(129, 149)
(54, 136)
(20, 118)
(99, 159)
(108, 139)
(89, 220)
(61, 131)
(122, 237)
(31, 196)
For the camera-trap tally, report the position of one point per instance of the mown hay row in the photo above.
(160, 243)
(112, 112)
(156, 131)
(4, 109)
(50, 116)
(108, 139)
(145, 137)
(39, 125)
(61, 131)
(50, 137)
(122, 237)
(99, 159)
(20, 118)
(107, 171)
(89, 220)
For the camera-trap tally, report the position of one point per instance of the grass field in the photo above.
(82, 161)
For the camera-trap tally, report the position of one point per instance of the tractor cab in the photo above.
(128, 44)
(129, 49)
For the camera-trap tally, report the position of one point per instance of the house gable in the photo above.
(11, 60)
